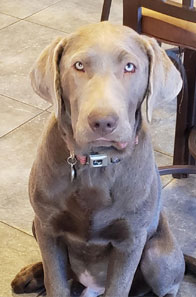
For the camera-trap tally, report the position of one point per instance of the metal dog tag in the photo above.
(71, 160)
(73, 173)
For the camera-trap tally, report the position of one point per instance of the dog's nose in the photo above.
(103, 124)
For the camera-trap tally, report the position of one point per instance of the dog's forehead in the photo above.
(105, 36)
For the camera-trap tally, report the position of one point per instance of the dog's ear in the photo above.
(45, 76)
(164, 81)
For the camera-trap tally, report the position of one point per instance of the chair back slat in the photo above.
(184, 9)
(171, 8)
(168, 7)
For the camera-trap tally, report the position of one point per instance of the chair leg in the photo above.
(192, 142)
(186, 114)
(106, 10)
(132, 15)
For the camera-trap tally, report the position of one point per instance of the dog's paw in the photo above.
(29, 279)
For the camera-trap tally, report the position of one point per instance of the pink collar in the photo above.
(82, 159)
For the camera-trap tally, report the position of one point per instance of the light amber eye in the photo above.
(130, 67)
(79, 66)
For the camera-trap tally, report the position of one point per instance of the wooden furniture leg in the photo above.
(106, 10)
(186, 114)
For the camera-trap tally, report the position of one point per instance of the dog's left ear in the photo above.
(45, 75)
(164, 82)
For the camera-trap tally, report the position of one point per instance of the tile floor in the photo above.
(26, 27)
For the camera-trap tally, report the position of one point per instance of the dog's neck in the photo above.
(93, 160)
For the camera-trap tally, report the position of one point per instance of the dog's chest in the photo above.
(89, 282)
(85, 217)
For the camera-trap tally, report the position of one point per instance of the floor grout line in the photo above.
(10, 15)
(164, 186)
(15, 228)
(10, 24)
(58, 30)
(23, 123)
(41, 10)
(25, 18)
(163, 153)
(47, 109)
(33, 22)
(29, 105)
(20, 18)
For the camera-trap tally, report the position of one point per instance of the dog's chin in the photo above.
(103, 146)
(109, 144)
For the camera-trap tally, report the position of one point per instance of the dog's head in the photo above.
(97, 79)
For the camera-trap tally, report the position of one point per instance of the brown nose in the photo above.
(102, 125)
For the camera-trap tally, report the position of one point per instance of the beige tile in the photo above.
(23, 8)
(17, 151)
(20, 46)
(162, 127)
(17, 250)
(69, 15)
(6, 20)
(163, 113)
(116, 12)
(179, 199)
(188, 287)
(163, 134)
(163, 160)
(14, 114)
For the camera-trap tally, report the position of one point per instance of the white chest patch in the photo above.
(92, 288)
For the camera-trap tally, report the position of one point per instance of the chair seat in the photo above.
(169, 29)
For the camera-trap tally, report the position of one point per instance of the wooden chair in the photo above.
(172, 22)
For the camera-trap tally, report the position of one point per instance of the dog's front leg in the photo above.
(122, 266)
(54, 263)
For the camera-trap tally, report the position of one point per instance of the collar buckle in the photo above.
(98, 160)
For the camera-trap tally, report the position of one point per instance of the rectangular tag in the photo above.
(98, 160)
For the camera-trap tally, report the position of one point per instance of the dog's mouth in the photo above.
(103, 142)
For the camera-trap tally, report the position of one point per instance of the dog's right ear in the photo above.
(45, 76)
(165, 81)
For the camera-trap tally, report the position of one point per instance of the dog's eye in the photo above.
(79, 66)
(130, 67)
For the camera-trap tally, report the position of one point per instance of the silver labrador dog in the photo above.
(94, 185)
